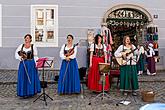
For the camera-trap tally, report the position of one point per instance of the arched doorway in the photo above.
(127, 19)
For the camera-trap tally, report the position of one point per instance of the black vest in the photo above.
(29, 54)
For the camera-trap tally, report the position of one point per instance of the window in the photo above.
(0, 25)
(45, 25)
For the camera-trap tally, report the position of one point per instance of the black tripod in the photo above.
(131, 83)
(43, 96)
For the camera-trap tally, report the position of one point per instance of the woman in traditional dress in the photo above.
(97, 55)
(128, 69)
(69, 81)
(28, 83)
(151, 69)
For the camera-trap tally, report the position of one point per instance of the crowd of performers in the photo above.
(69, 81)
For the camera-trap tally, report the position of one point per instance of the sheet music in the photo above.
(48, 61)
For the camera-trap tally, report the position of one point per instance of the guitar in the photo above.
(123, 60)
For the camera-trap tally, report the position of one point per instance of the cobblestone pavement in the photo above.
(83, 101)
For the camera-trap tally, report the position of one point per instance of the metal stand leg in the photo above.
(130, 96)
(103, 95)
(43, 95)
(131, 84)
(130, 80)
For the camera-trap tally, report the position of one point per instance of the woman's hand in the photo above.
(24, 56)
(67, 59)
(90, 65)
(91, 55)
(138, 47)
(123, 54)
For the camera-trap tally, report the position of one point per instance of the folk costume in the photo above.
(69, 81)
(128, 71)
(94, 74)
(151, 69)
(28, 83)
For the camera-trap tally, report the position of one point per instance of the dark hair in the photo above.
(125, 39)
(96, 38)
(70, 36)
(28, 35)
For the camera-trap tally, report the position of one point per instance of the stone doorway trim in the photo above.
(131, 6)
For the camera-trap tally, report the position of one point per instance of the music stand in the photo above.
(104, 68)
(44, 63)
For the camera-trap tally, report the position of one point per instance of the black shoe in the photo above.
(134, 94)
(125, 93)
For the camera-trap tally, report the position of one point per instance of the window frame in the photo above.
(55, 29)
(0, 25)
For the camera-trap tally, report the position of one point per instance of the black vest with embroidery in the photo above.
(29, 54)
(98, 52)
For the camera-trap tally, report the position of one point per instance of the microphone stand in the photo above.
(130, 80)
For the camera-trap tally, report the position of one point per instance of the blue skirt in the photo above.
(69, 81)
(24, 87)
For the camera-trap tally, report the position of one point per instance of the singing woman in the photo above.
(28, 83)
(128, 68)
(97, 55)
(69, 81)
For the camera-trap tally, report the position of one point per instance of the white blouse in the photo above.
(66, 48)
(134, 57)
(151, 52)
(26, 50)
(96, 46)
(141, 50)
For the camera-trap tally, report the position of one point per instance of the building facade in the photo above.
(50, 21)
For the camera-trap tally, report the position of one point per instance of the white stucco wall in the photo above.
(75, 17)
